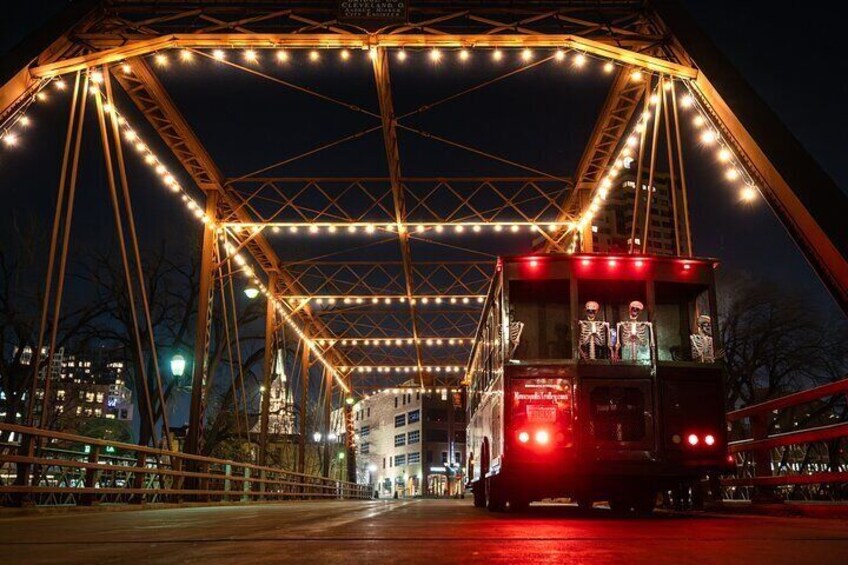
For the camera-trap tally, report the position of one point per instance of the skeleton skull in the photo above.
(592, 308)
(636, 308)
(705, 325)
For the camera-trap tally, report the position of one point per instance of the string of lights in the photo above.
(396, 341)
(710, 137)
(626, 151)
(314, 228)
(399, 368)
(436, 55)
(387, 299)
(132, 137)
(14, 126)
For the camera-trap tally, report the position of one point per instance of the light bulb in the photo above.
(464, 55)
(250, 56)
(282, 55)
(401, 56)
(609, 67)
(526, 55)
(497, 55)
(579, 60)
(435, 55)
(219, 55)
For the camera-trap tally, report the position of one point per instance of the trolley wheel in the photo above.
(519, 504)
(479, 490)
(494, 498)
(644, 502)
(585, 503)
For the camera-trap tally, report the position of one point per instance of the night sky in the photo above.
(792, 61)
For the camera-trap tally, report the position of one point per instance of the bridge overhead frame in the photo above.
(656, 38)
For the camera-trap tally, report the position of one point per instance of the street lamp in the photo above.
(316, 436)
(251, 292)
(332, 436)
(178, 365)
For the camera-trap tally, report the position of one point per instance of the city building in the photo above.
(411, 441)
(612, 228)
(82, 388)
(281, 406)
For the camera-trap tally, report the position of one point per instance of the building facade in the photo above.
(613, 224)
(82, 388)
(411, 441)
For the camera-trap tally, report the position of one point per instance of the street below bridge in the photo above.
(412, 531)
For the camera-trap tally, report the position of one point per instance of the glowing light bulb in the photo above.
(687, 101)
(708, 137)
(186, 55)
(42, 96)
(636, 75)
(314, 55)
(219, 55)
(401, 56)
(24, 121)
(435, 55)
(526, 55)
(655, 99)
(419, 228)
(748, 194)
(351, 229)
(514, 228)
(282, 55)
(731, 174)
(476, 228)
(724, 155)
(60, 84)
(498, 227)
(698, 121)
(10, 139)
(344, 54)
(464, 55)
(97, 77)
(609, 67)
(579, 60)
(161, 60)
(250, 56)
(372, 53)
(369, 228)
(559, 55)
(497, 55)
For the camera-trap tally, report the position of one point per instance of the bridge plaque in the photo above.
(383, 11)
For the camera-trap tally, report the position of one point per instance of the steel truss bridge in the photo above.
(355, 317)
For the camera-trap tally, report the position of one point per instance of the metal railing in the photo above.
(803, 463)
(44, 467)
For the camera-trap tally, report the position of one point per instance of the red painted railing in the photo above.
(806, 463)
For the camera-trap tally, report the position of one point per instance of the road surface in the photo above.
(434, 532)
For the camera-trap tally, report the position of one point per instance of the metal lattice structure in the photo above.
(387, 313)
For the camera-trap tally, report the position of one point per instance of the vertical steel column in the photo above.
(268, 370)
(301, 417)
(193, 442)
(350, 448)
(328, 408)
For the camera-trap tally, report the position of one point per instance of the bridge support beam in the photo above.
(194, 439)
(268, 371)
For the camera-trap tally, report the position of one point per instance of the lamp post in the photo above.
(251, 292)
(178, 366)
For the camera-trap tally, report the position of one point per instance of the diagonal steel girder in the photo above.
(618, 109)
(149, 95)
(387, 114)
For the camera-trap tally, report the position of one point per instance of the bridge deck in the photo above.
(415, 531)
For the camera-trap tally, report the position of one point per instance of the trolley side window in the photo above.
(541, 308)
(681, 318)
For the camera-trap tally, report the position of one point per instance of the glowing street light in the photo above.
(251, 292)
(178, 365)
(316, 436)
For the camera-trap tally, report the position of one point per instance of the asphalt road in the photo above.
(414, 531)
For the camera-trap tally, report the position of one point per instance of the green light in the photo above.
(341, 455)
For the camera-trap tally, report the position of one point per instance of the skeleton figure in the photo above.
(702, 341)
(635, 338)
(515, 329)
(594, 334)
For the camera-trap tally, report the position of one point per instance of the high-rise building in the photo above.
(613, 224)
